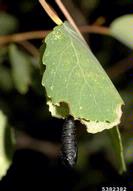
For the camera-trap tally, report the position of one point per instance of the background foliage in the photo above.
(22, 100)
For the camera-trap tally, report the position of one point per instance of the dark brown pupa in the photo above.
(69, 142)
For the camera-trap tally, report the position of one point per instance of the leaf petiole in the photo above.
(50, 12)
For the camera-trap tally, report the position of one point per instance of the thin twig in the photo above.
(68, 16)
(49, 149)
(99, 21)
(95, 29)
(30, 48)
(50, 12)
(23, 36)
(19, 37)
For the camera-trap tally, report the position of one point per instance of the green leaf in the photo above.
(6, 83)
(122, 29)
(21, 69)
(5, 160)
(76, 84)
(110, 142)
(8, 23)
(117, 146)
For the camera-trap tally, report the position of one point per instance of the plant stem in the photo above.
(50, 12)
(95, 29)
(24, 140)
(19, 37)
(68, 16)
(23, 36)
(29, 47)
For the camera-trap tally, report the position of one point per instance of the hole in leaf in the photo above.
(63, 109)
(107, 121)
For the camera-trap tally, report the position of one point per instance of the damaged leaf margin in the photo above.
(92, 126)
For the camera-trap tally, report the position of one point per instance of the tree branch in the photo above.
(29, 47)
(23, 36)
(49, 149)
(51, 13)
(19, 37)
(68, 16)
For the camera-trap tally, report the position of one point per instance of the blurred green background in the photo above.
(22, 100)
